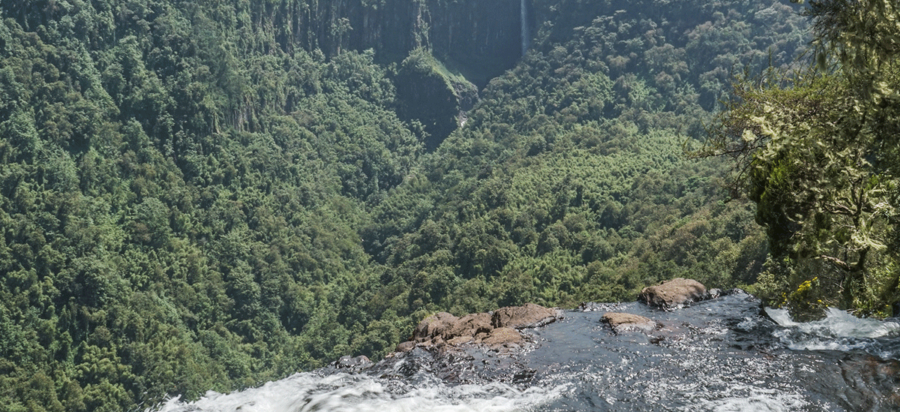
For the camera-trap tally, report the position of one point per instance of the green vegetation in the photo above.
(816, 149)
(202, 195)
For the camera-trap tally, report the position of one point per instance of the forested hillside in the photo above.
(202, 195)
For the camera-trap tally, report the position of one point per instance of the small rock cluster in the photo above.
(669, 295)
(498, 329)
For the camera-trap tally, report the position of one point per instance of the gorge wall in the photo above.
(476, 40)
(481, 37)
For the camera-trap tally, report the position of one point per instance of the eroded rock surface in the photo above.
(434, 326)
(470, 325)
(480, 347)
(493, 330)
(526, 316)
(674, 293)
(503, 337)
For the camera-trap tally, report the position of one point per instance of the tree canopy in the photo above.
(816, 149)
(205, 195)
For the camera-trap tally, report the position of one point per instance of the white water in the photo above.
(524, 20)
(840, 331)
(759, 401)
(342, 392)
(700, 364)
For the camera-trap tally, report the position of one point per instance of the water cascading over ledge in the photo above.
(526, 36)
(719, 354)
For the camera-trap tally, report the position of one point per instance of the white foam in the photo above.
(839, 331)
(341, 392)
(759, 402)
(731, 396)
(838, 324)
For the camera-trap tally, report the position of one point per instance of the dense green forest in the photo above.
(202, 195)
(816, 149)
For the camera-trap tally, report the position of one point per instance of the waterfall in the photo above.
(525, 36)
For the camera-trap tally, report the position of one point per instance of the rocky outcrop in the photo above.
(493, 330)
(673, 293)
(624, 322)
(527, 316)
(432, 95)
(503, 337)
(434, 326)
(471, 325)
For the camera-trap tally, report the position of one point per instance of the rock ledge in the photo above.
(493, 330)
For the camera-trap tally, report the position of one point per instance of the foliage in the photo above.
(206, 195)
(815, 149)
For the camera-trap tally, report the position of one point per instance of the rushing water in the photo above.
(718, 355)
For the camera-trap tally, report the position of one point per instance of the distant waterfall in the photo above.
(525, 36)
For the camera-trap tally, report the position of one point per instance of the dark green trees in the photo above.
(207, 195)
(816, 152)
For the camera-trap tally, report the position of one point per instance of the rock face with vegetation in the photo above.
(205, 195)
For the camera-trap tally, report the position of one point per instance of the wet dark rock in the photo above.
(467, 364)
(526, 316)
(350, 364)
(598, 307)
(673, 293)
(524, 376)
(624, 322)
(725, 341)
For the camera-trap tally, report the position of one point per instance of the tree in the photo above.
(816, 149)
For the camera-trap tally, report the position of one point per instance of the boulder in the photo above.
(501, 337)
(469, 326)
(446, 328)
(622, 322)
(434, 326)
(527, 316)
(673, 293)
(405, 346)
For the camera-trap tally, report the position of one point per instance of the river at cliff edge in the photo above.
(723, 354)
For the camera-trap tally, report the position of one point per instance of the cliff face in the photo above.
(482, 37)
(479, 40)
(429, 93)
